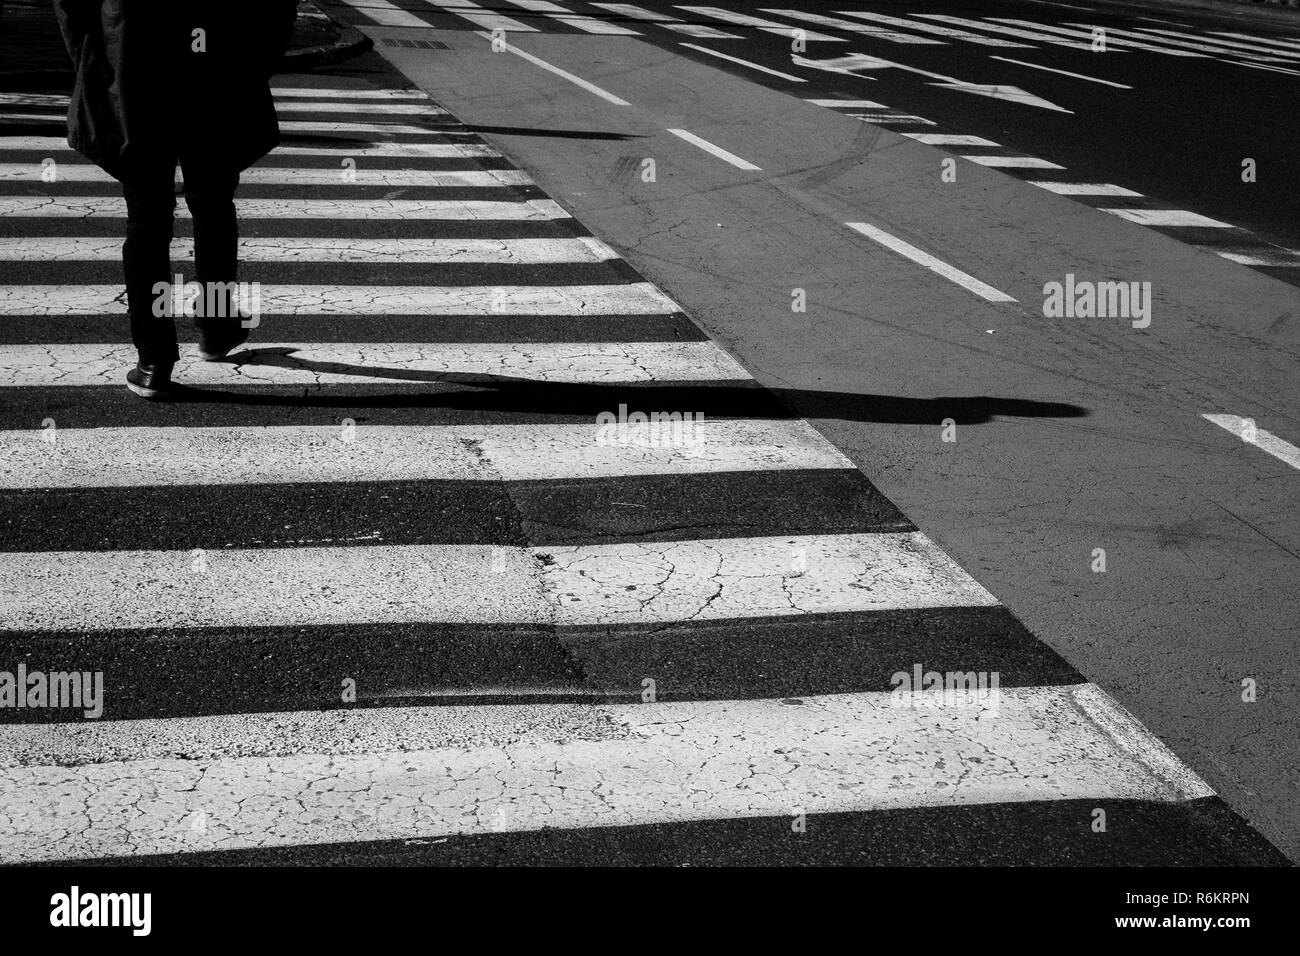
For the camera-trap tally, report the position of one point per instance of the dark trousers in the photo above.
(146, 258)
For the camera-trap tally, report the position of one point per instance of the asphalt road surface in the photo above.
(407, 579)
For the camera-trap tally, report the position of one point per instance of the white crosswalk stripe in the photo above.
(698, 30)
(437, 424)
(289, 176)
(838, 23)
(476, 15)
(759, 23)
(83, 207)
(949, 32)
(563, 15)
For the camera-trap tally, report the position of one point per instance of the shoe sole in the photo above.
(152, 394)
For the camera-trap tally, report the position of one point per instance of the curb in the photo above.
(351, 42)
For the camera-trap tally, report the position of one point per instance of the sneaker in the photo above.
(219, 342)
(154, 382)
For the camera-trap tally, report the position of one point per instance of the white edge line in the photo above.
(951, 273)
(1283, 451)
(1049, 69)
(717, 151)
(577, 80)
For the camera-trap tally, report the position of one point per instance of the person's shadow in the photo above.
(490, 392)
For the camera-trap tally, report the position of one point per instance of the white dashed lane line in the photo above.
(949, 272)
(751, 65)
(565, 74)
(716, 150)
(1251, 434)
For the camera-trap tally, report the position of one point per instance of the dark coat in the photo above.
(145, 91)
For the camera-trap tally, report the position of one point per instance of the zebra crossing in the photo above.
(405, 571)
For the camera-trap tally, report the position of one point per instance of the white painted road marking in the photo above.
(713, 579)
(586, 24)
(363, 363)
(855, 63)
(949, 139)
(326, 249)
(1012, 162)
(748, 63)
(758, 23)
(330, 92)
(1261, 256)
(950, 273)
(484, 19)
(394, 773)
(626, 298)
(1111, 42)
(354, 106)
(52, 145)
(146, 456)
(879, 33)
(1083, 189)
(565, 74)
(338, 210)
(1052, 69)
(697, 30)
(850, 104)
(936, 30)
(1168, 217)
(718, 151)
(360, 175)
(387, 14)
(1251, 434)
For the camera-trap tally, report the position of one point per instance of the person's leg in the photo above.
(146, 259)
(210, 195)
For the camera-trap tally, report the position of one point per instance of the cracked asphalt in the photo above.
(379, 588)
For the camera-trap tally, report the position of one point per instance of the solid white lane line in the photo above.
(879, 33)
(1013, 162)
(1209, 45)
(1004, 30)
(697, 30)
(59, 144)
(324, 777)
(1084, 189)
(921, 257)
(629, 298)
(949, 139)
(355, 106)
(758, 23)
(476, 15)
(751, 65)
(1168, 217)
(387, 14)
(716, 150)
(600, 584)
(297, 176)
(586, 24)
(340, 210)
(1251, 434)
(144, 456)
(325, 249)
(565, 74)
(849, 104)
(949, 32)
(1052, 69)
(362, 363)
(1111, 41)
